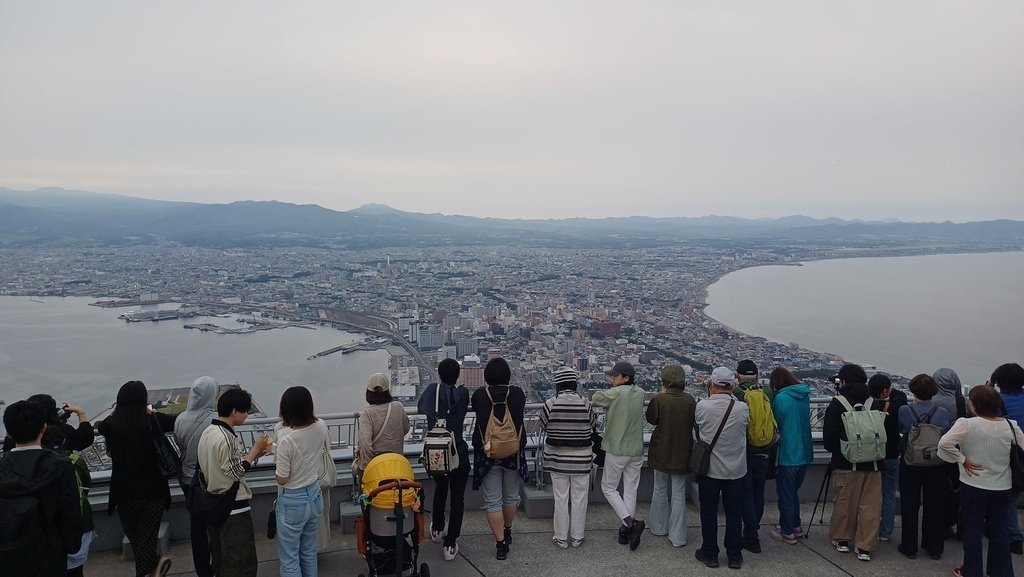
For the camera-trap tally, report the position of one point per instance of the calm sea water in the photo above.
(83, 354)
(905, 314)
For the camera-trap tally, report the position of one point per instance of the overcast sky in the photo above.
(911, 110)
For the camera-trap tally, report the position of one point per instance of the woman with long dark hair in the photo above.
(980, 446)
(300, 466)
(137, 490)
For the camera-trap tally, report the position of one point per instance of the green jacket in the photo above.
(671, 413)
(624, 420)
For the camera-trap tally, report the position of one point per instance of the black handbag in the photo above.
(272, 522)
(206, 507)
(595, 439)
(1016, 462)
(700, 455)
(168, 456)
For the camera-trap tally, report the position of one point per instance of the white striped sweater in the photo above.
(568, 420)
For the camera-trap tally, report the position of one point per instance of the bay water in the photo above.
(83, 354)
(906, 315)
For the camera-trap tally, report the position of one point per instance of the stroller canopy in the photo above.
(383, 469)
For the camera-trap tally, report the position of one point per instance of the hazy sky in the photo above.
(912, 110)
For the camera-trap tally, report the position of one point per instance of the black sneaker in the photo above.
(635, 532)
(508, 535)
(752, 544)
(906, 552)
(1017, 547)
(502, 548)
(735, 562)
(623, 535)
(708, 561)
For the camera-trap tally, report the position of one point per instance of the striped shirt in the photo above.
(568, 420)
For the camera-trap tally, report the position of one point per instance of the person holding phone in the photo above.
(223, 460)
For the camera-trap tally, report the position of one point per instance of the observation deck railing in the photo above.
(344, 428)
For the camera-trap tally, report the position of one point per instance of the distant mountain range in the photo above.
(56, 216)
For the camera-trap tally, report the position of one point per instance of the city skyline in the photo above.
(911, 112)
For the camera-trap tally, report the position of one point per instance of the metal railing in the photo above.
(344, 430)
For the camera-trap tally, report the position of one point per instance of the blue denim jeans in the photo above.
(753, 494)
(731, 493)
(668, 519)
(1014, 519)
(890, 480)
(787, 485)
(298, 516)
(985, 510)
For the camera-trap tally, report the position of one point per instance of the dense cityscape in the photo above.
(539, 308)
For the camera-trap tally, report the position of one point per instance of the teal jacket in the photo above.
(792, 410)
(624, 420)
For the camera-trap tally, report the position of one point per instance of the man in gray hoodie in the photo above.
(951, 398)
(188, 427)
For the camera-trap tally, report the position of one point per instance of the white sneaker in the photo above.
(162, 567)
(450, 553)
(436, 536)
(560, 543)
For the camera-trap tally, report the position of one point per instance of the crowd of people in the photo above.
(949, 457)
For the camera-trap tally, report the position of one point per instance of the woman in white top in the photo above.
(383, 425)
(981, 446)
(300, 465)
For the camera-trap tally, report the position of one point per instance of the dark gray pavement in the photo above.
(533, 554)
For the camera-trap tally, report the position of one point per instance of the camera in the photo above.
(65, 413)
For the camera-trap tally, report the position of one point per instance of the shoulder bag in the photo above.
(700, 455)
(206, 507)
(168, 456)
(1016, 461)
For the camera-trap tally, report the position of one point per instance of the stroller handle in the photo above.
(397, 484)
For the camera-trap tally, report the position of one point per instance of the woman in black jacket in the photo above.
(137, 490)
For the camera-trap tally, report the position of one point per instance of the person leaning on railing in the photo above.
(137, 490)
(981, 448)
(449, 401)
(383, 425)
(299, 461)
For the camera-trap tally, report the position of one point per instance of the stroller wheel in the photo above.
(424, 570)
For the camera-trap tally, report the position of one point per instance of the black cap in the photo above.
(746, 367)
(622, 368)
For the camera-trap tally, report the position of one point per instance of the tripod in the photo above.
(821, 490)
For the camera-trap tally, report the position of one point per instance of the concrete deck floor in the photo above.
(533, 553)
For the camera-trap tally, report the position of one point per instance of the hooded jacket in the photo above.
(792, 410)
(51, 479)
(191, 423)
(833, 432)
(951, 394)
(671, 412)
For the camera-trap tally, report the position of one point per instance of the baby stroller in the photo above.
(391, 526)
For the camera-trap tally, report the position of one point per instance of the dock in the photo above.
(367, 344)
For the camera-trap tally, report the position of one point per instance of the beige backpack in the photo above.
(501, 438)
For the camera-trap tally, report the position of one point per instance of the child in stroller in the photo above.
(391, 526)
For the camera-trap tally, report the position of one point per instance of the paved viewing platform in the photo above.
(533, 554)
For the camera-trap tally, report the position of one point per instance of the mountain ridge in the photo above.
(54, 215)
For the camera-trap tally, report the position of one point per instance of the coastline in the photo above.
(701, 295)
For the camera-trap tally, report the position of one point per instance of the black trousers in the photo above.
(455, 486)
(923, 488)
(200, 542)
(140, 520)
